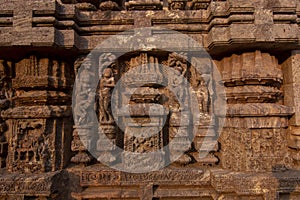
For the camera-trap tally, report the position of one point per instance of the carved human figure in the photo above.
(204, 97)
(85, 97)
(85, 103)
(177, 81)
(107, 83)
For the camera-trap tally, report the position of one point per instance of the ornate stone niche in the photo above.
(153, 100)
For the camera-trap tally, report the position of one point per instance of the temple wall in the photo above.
(252, 151)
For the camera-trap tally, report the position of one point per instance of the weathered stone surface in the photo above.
(251, 150)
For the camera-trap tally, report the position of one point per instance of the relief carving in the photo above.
(258, 155)
(28, 127)
(30, 147)
(115, 5)
(85, 99)
(5, 102)
(294, 144)
(144, 5)
(83, 115)
(199, 4)
(79, 145)
(108, 71)
(173, 105)
(109, 5)
(177, 4)
(178, 79)
(107, 83)
(253, 149)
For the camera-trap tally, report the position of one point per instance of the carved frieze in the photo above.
(115, 5)
(42, 72)
(33, 144)
(144, 5)
(254, 149)
(108, 177)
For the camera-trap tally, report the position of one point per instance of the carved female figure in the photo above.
(177, 82)
(107, 83)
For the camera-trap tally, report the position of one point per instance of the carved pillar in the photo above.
(292, 98)
(6, 70)
(143, 114)
(180, 113)
(205, 124)
(83, 101)
(39, 121)
(108, 71)
(254, 135)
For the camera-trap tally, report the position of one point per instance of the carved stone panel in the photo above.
(34, 145)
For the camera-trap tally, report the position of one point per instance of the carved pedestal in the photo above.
(144, 134)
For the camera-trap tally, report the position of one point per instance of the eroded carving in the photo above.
(107, 83)
(177, 4)
(144, 5)
(109, 5)
(30, 147)
(5, 101)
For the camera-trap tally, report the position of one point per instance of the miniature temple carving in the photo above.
(255, 96)
(32, 125)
